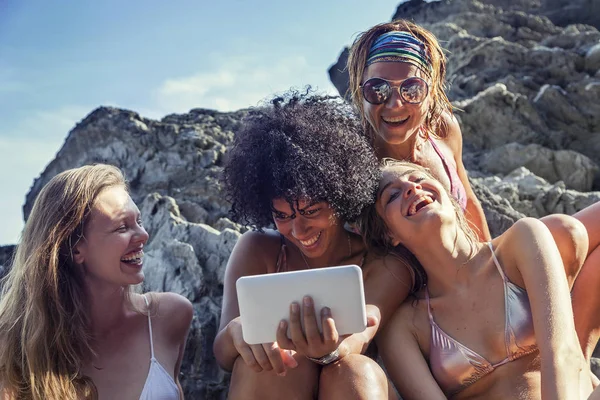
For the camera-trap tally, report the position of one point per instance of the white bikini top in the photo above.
(159, 384)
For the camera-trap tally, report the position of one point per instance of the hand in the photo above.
(260, 357)
(311, 342)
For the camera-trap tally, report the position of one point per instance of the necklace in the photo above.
(349, 251)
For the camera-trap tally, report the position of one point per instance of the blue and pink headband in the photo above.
(400, 47)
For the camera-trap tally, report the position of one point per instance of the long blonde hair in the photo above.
(357, 61)
(376, 234)
(44, 323)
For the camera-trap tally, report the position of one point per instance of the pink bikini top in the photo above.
(457, 189)
(455, 367)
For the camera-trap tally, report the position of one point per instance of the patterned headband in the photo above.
(400, 47)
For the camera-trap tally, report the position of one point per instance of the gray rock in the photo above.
(576, 170)
(592, 59)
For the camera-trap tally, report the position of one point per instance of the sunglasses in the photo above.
(378, 90)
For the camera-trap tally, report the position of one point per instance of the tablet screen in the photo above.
(264, 300)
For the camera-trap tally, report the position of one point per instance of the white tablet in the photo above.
(264, 300)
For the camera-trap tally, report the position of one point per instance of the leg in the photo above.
(571, 239)
(586, 301)
(355, 377)
(299, 383)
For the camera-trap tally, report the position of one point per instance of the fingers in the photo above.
(283, 340)
(296, 333)
(372, 321)
(260, 355)
(273, 354)
(313, 336)
(330, 333)
(288, 358)
(249, 359)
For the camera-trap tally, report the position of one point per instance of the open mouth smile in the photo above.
(395, 121)
(418, 204)
(135, 258)
(311, 241)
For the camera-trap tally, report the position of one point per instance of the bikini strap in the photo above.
(149, 326)
(428, 304)
(444, 162)
(496, 262)
(278, 266)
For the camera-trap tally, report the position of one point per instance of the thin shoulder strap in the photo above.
(149, 326)
(444, 162)
(428, 304)
(496, 261)
(278, 266)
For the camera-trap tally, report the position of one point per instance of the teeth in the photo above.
(394, 120)
(418, 201)
(310, 241)
(134, 258)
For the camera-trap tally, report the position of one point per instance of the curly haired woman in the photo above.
(303, 165)
(70, 325)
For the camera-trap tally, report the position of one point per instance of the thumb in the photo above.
(372, 321)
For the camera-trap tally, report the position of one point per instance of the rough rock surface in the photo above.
(528, 88)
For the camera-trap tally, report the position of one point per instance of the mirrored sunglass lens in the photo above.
(376, 91)
(413, 90)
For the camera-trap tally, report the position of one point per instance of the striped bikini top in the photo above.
(455, 367)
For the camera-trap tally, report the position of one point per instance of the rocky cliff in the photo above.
(527, 88)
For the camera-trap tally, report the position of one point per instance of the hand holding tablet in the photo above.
(265, 300)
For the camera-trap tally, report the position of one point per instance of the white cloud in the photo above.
(238, 82)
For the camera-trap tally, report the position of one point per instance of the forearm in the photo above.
(224, 350)
(561, 372)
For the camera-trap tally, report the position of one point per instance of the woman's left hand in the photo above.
(311, 342)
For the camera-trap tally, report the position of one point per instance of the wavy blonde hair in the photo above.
(376, 234)
(44, 323)
(357, 61)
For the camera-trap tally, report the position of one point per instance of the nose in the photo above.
(409, 188)
(395, 99)
(299, 227)
(142, 235)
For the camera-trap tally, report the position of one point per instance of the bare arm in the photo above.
(403, 359)
(250, 256)
(529, 245)
(474, 212)
(387, 285)
(178, 313)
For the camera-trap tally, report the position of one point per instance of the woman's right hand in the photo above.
(261, 357)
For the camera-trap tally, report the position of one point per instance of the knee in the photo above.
(300, 382)
(571, 239)
(355, 374)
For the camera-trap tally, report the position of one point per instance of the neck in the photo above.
(447, 260)
(339, 252)
(406, 151)
(107, 308)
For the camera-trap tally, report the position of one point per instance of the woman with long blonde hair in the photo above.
(71, 326)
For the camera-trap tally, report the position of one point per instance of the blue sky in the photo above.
(59, 60)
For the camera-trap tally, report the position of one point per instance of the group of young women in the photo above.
(453, 312)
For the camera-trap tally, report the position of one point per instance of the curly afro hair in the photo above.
(300, 145)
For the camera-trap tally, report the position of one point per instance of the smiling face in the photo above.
(312, 226)
(408, 200)
(112, 248)
(395, 122)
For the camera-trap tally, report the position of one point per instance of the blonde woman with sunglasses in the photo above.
(397, 77)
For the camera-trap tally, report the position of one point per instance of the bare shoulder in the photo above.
(254, 250)
(452, 134)
(523, 232)
(173, 313)
(390, 266)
